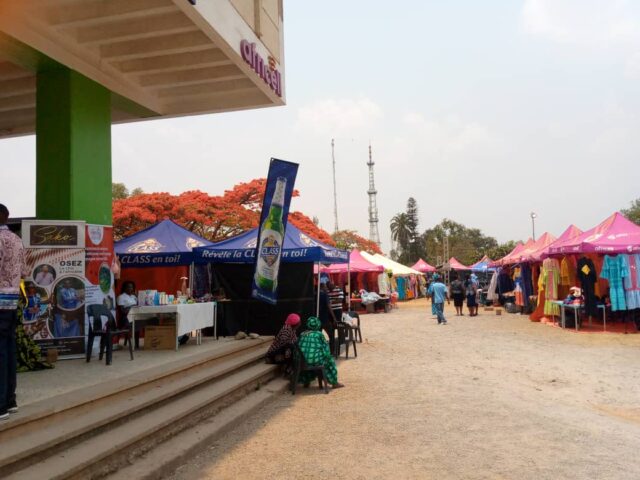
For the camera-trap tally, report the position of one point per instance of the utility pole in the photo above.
(374, 235)
(335, 191)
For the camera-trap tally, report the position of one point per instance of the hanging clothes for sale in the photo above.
(632, 282)
(402, 291)
(384, 286)
(586, 272)
(526, 282)
(568, 272)
(492, 291)
(550, 281)
(615, 269)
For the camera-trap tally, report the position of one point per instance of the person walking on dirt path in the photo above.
(457, 292)
(439, 293)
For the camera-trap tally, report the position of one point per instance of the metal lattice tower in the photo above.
(335, 191)
(374, 235)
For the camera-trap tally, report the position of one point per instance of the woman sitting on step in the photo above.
(281, 350)
(315, 349)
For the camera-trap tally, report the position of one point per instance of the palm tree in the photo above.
(401, 231)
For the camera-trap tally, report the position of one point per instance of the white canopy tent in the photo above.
(388, 264)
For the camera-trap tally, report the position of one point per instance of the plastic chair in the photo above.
(106, 333)
(300, 366)
(358, 331)
(347, 335)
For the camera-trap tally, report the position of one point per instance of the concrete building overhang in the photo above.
(159, 58)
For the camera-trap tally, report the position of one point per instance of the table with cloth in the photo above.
(189, 316)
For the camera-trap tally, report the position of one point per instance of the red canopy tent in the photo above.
(615, 234)
(454, 264)
(571, 232)
(423, 267)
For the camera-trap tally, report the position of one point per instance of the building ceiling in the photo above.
(159, 57)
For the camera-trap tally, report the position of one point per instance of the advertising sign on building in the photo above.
(273, 224)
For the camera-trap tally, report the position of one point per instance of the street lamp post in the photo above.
(533, 224)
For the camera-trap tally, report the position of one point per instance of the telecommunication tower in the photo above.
(335, 191)
(374, 235)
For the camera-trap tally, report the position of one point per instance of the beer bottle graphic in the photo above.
(270, 242)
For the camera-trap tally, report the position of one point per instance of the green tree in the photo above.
(136, 191)
(416, 247)
(633, 212)
(401, 233)
(119, 191)
(501, 250)
(468, 245)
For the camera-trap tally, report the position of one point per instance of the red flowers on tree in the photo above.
(212, 217)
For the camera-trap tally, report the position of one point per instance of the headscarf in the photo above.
(313, 323)
(474, 279)
(292, 320)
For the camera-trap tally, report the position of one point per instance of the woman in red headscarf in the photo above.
(281, 350)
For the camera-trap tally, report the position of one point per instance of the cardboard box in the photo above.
(160, 337)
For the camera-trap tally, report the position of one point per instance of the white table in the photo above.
(189, 317)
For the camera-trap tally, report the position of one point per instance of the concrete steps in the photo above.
(104, 429)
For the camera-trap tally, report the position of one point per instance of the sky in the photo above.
(481, 111)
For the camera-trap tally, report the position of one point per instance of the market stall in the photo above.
(157, 257)
(226, 269)
(407, 280)
(359, 274)
(423, 267)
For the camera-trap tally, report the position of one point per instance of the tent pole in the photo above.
(318, 294)
(349, 283)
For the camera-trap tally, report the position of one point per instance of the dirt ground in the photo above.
(490, 397)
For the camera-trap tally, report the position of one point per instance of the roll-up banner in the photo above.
(273, 224)
(54, 314)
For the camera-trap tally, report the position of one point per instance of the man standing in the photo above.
(12, 269)
(336, 299)
(439, 293)
(327, 319)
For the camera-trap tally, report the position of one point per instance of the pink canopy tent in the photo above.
(454, 264)
(423, 267)
(357, 264)
(615, 234)
(571, 232)
(509, 258)
(546, 239)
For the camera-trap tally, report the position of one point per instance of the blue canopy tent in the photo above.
(165, 246)
(233, 261)
(298, 247)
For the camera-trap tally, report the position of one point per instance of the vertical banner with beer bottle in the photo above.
(273, 223)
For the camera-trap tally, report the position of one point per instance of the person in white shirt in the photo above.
(126, 300)
(44, 276)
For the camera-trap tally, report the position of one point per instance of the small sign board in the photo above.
(53, 234)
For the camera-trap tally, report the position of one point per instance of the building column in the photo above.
(73, 148)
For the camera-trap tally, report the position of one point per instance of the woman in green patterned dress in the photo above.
(315, 349)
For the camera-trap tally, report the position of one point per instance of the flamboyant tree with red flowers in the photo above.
(209, 216)
(349, 240)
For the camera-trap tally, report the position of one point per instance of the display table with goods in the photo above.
(577, 308)
(188, 317)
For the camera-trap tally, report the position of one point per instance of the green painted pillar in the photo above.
(73, 148)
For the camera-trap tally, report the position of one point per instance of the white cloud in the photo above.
(594, 23)
(632, 67)
(451, 137)
(339, 116)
